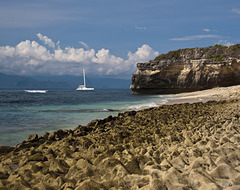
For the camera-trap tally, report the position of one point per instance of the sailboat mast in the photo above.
(84, 82)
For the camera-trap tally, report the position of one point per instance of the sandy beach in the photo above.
(192, 142)
(220, 93)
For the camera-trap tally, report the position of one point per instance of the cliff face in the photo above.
(188, 70)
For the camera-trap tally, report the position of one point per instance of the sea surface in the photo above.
(28, 112)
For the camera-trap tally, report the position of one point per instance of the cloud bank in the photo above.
(31, 58)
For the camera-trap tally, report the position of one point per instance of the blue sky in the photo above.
(107, 37)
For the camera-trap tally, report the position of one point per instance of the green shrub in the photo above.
(215, 57)
(218, 45)
(233, 48)
(219, 58)
(176, 55)
(159, 57)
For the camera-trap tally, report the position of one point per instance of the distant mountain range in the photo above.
(59, 82)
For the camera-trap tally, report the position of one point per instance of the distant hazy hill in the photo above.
(59, 82)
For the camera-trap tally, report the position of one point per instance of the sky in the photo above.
(107, 37)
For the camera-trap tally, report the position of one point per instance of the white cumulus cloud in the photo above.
(46, 40)
(32, 50)
(70, 54)
(103, 56)
(143, 54)
(84, 45)
(29, 57)
(7, 51)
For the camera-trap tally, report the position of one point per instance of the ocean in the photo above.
(28, 112)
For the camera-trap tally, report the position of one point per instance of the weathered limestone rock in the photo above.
(188, 70)
(185, 146)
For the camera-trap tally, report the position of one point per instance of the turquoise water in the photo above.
(23, 113)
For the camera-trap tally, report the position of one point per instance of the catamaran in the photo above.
(83, 87)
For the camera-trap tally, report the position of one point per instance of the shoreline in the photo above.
(214, 94)
(155, 102)
(182, 144)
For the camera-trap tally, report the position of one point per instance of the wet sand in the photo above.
(183, 145)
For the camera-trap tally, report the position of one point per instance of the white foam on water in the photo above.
(164, 101)
(36, 91)
(141, 106)
(148, 104)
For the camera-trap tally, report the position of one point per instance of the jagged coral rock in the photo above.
(159, 148)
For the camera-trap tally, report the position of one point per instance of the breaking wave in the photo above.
(36, 91)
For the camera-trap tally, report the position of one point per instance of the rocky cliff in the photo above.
(188, 70)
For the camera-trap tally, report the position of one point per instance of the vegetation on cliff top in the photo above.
(217, 53)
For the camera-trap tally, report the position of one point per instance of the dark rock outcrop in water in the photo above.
(187, 70)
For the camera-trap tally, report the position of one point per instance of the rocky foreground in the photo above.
(184, 146)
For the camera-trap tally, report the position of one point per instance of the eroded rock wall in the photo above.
(188, 70)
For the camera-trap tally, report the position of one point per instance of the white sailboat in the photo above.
(83, 87)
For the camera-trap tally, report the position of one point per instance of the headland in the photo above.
(188, 70)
